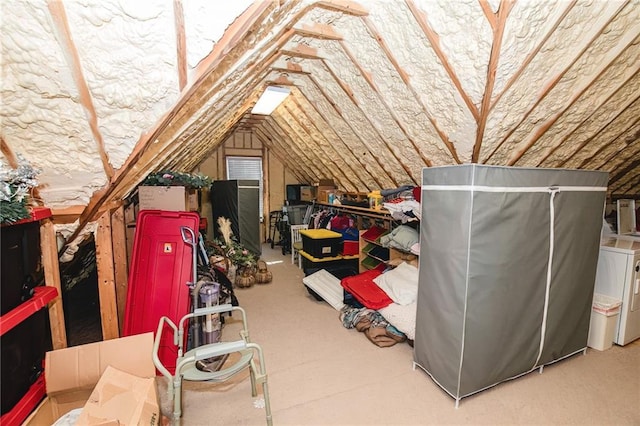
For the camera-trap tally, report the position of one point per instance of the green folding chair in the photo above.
(186, 363)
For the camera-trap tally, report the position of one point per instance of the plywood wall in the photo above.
(276, 175)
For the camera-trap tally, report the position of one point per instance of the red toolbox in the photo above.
(161, 267)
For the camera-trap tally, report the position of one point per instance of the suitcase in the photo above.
(161, 267)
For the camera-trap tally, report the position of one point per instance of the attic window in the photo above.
(270, 99)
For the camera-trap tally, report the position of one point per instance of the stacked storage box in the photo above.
(320, 243)
(321, 250)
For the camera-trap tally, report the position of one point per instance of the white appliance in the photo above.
(618, 276)
(626, 217)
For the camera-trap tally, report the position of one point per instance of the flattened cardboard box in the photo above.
(171, 198)
(71, 374)
(121, 398)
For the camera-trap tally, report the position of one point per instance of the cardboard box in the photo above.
(307, 193)
(121, 398)
(71, 374)
(172, 198)
(323, 193)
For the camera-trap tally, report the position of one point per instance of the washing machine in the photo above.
(618, 276)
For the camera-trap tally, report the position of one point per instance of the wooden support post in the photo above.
(106, 278)
(49, 248)
(120, 261)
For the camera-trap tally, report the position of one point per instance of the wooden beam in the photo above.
(517, 154)
(301, 51)
(405, 78)
(120, 261)
(498, 32)
(489, 14)
(330, 124)
(434, 41)
(319, 31)
(549, 86)
(181, 43)
(51, 265)
(531, 54)
(106, 278)
(367, 76)
(288, 138)
(292, 127)
(347, 91)
(63, 34)
(328, 151)
(67, 214)
(279, 153)
(343, 6)
(590, 117)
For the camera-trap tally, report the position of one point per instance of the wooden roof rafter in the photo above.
(623, 134)
(367, 77)
(298, 139)
(434, 41)
(575, 150)
(498, 32)
(292, 147)
(328, 126)
(532, 54)
(349, 94)
(304, 53)
(181, 43)
(518, 153)
(269, 141)
(327, 157)
(311, 127)
(268, 144)
(407, 82)
(332, 124)
(63, 35)
(549, 87)
(630, 135)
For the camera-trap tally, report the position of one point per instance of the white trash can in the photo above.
(604, 317)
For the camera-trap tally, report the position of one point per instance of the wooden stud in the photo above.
(106, 278)
(50, 262)
(120, 262)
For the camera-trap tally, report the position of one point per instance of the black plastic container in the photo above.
(21, 264)
(23, 349)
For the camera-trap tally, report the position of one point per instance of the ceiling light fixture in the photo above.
(270, 99)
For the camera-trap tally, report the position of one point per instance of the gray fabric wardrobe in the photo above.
(507, 270)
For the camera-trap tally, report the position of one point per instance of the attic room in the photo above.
(444, 201)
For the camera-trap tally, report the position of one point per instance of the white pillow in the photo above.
(401, 317)
(400, 283)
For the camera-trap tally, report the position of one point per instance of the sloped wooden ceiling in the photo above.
(101, 93)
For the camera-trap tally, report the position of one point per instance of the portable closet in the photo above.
(507, 270)
(238, 201)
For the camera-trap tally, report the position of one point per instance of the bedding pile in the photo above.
(382, 305)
